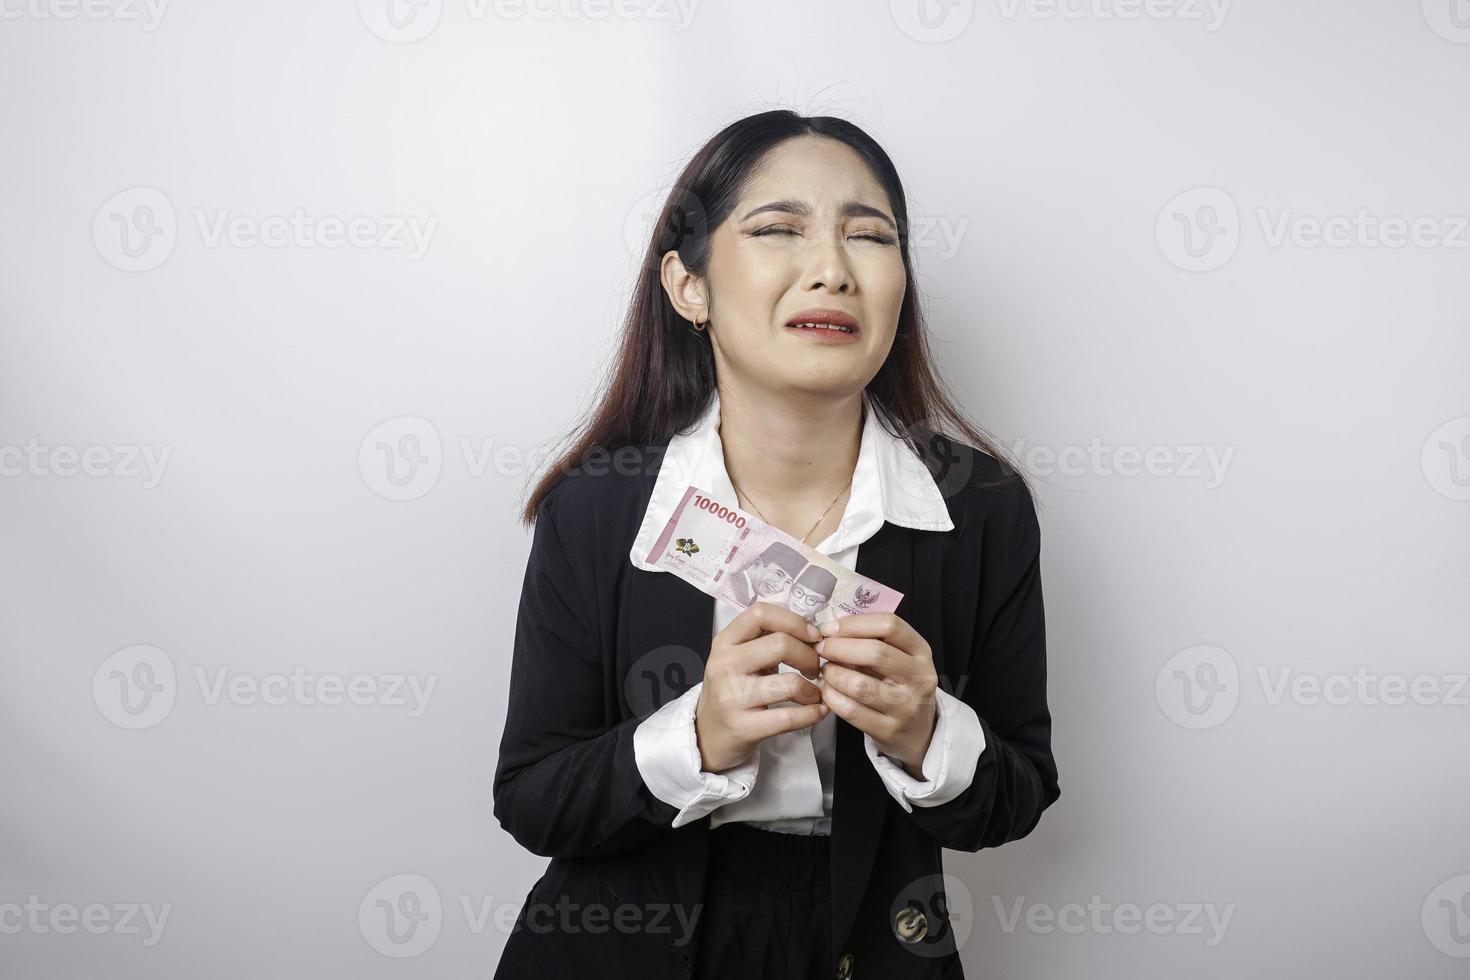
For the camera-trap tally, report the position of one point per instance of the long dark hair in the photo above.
(664, 372)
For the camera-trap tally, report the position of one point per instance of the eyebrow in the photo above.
(850, 209)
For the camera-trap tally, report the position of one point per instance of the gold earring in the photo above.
(698, 325)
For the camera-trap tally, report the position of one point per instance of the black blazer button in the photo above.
(910, 925)
(844, 966)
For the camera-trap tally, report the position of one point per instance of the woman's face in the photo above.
(812, 231)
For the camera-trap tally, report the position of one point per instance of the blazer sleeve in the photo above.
(566, 783)
(1005, 683)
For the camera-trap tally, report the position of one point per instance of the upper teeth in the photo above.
(828, 326)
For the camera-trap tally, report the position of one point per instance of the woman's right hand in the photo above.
(743, 676)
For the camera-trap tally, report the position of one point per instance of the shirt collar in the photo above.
(890, 483)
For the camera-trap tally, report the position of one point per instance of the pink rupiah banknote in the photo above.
(740, 558)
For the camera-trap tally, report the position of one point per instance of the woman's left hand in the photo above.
(883, 683)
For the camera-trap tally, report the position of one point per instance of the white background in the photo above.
(1055, 158)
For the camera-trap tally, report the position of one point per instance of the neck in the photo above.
(790, 454)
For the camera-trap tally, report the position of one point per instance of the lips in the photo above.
(825, 319)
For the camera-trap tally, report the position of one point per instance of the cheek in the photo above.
(756, 273)
(889, 285)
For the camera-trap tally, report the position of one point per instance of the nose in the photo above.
(827, 267)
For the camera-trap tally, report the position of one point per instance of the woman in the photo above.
(729, 793)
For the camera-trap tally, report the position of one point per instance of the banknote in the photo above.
(740, 558)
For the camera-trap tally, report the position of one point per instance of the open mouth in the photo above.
(825, 323)
(823, 326)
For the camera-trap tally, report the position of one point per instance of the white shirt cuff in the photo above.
(949, 765)
(667, 753)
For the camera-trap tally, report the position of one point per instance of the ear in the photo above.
(685, 290)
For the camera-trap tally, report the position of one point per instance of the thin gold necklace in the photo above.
(767, 520)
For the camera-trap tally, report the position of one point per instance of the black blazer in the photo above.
(600, 644)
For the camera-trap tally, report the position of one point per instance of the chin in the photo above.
(836, 387)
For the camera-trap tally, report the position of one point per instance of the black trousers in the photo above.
(767, 906)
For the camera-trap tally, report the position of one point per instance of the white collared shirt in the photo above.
(786, 785)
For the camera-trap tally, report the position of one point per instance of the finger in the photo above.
(879, 626)
(789, 686)
(877, 657)
(761, 690)
(880, 695)
(767, 653)
(855, 713)
(760, 618)
(779, 721)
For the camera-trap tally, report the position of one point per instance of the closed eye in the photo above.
(785, 230)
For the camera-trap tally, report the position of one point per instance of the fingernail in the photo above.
(818, 647)
(828, 628)
(811, 631)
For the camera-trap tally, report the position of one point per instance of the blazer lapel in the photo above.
(859, 798)
(669, 611)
